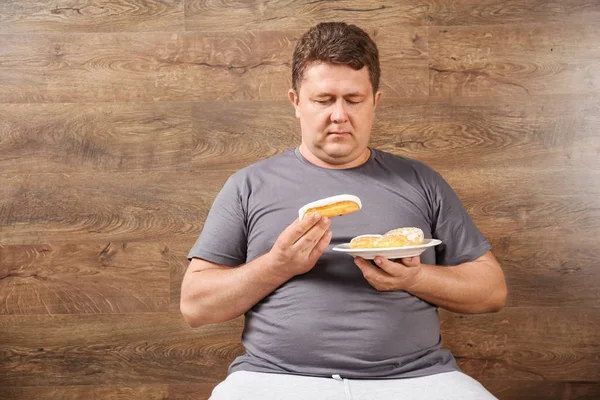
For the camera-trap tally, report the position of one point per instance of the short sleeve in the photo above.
(223, 239)
(461, 239)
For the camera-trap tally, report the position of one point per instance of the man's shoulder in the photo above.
(268, 164)
(402, 163)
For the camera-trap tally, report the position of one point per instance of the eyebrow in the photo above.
(325, 94)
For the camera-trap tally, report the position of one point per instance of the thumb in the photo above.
(411, 261)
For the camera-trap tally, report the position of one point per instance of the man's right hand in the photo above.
(300, 245)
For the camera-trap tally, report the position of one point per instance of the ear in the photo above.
(377, 99)
(295, 99)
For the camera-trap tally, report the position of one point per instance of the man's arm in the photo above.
(473, 287)
(212, 293)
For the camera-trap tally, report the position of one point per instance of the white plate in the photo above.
(388, 252)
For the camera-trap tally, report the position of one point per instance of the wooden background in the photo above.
(120, 120)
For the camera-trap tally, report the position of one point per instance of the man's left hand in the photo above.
(401, 274)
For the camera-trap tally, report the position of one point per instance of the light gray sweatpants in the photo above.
(244, 385)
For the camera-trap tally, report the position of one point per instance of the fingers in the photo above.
(321, 246)
(376, 277)
(391, 267)
(310, 239)
(298, 228)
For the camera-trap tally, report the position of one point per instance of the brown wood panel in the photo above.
(190, 391)
(122, 350)
(231, 136)
(526, 204)
(90, 278)
(545, 273)
(264, 15)
(94, 137)
(519, 60)
(60, 208)
(140, 392)
(542, 390)
(522, 343)
(501, 12)
(143, 67)
(41, 16)
(534, 132)
(168, 66)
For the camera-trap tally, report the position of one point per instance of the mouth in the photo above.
(339, 133)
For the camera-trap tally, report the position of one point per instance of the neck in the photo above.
(320, 162)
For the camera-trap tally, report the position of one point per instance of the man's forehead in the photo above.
(327, 79)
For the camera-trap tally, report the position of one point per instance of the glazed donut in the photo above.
(364, 241)
(331, 206)
(411, 236)
(395, 238)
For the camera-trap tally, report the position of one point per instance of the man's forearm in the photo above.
(221, 294)
(470, 288)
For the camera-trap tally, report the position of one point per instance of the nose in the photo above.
(338, 113)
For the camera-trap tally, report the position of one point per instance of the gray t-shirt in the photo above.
(330, 320)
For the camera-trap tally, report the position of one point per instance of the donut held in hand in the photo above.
(333, 206)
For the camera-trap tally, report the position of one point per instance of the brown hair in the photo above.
(335, 43)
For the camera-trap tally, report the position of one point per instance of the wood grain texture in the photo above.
(140, 392)
(232, 136)
(122, 350)
(168, 66)
(515, 60)
(542, 272)
(68, 138)
(522, 343)
(214, 15)
(61, 208)
(39, 16)
(535, 132)
(142, 67)
(542, 390)
(98, 278)
(197, 391)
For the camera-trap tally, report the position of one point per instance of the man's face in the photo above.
(336, 109)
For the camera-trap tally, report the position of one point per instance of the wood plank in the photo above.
(105, 207)
(231, 136)
(89, 278)
(40, 16)
(519, 60)
(95, 137)
(139, 392)
(495, 12)
(520, 343)
(124, 350)
(164, 66)
(179, 66)
(265, 15)
(197, 391)
(542, 390)
(553, 131)
(542, 272)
